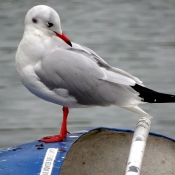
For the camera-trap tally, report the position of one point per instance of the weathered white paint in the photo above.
(137, 148)
(48, 161)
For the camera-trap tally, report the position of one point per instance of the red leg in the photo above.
(63, 131)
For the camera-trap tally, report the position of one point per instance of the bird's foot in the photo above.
(63, 131)
(54, 138)
(50, 139)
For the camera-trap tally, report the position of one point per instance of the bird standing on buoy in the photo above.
(71, 75)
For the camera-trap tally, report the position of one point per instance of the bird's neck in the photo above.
(30, 50)
(34, 46)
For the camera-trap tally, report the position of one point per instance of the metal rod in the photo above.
(138, 147)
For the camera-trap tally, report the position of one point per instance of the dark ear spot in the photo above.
(34, 20)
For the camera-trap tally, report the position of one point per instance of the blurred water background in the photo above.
(135, 35)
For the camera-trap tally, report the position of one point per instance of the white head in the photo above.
(45, 19)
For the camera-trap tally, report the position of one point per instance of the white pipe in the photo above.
(138, 147)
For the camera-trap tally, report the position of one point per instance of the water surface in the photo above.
(137, 36)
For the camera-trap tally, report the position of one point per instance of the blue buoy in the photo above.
(96, 151)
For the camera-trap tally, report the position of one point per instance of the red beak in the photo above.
(64, 38)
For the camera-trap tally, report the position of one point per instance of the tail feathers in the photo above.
(151, 96)
(139, 111)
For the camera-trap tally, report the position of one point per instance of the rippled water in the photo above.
(137, 36)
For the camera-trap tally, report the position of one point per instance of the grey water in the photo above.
(134, 35)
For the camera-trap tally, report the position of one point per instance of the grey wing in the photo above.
(89, 53)
(95, 57)
(74, 73)
(85, 80)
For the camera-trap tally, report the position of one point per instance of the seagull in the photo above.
(60, 71)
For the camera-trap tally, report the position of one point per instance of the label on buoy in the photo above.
(48, 161)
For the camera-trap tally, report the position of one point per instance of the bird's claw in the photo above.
(50, 139)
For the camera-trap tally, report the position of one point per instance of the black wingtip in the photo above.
(152, 96)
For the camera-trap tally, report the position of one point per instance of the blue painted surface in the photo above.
(27, 159)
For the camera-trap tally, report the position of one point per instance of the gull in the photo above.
(71, 75)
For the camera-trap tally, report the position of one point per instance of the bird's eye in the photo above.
(49, 24)
(34, 20)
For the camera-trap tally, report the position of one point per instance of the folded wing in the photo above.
(85, 80)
